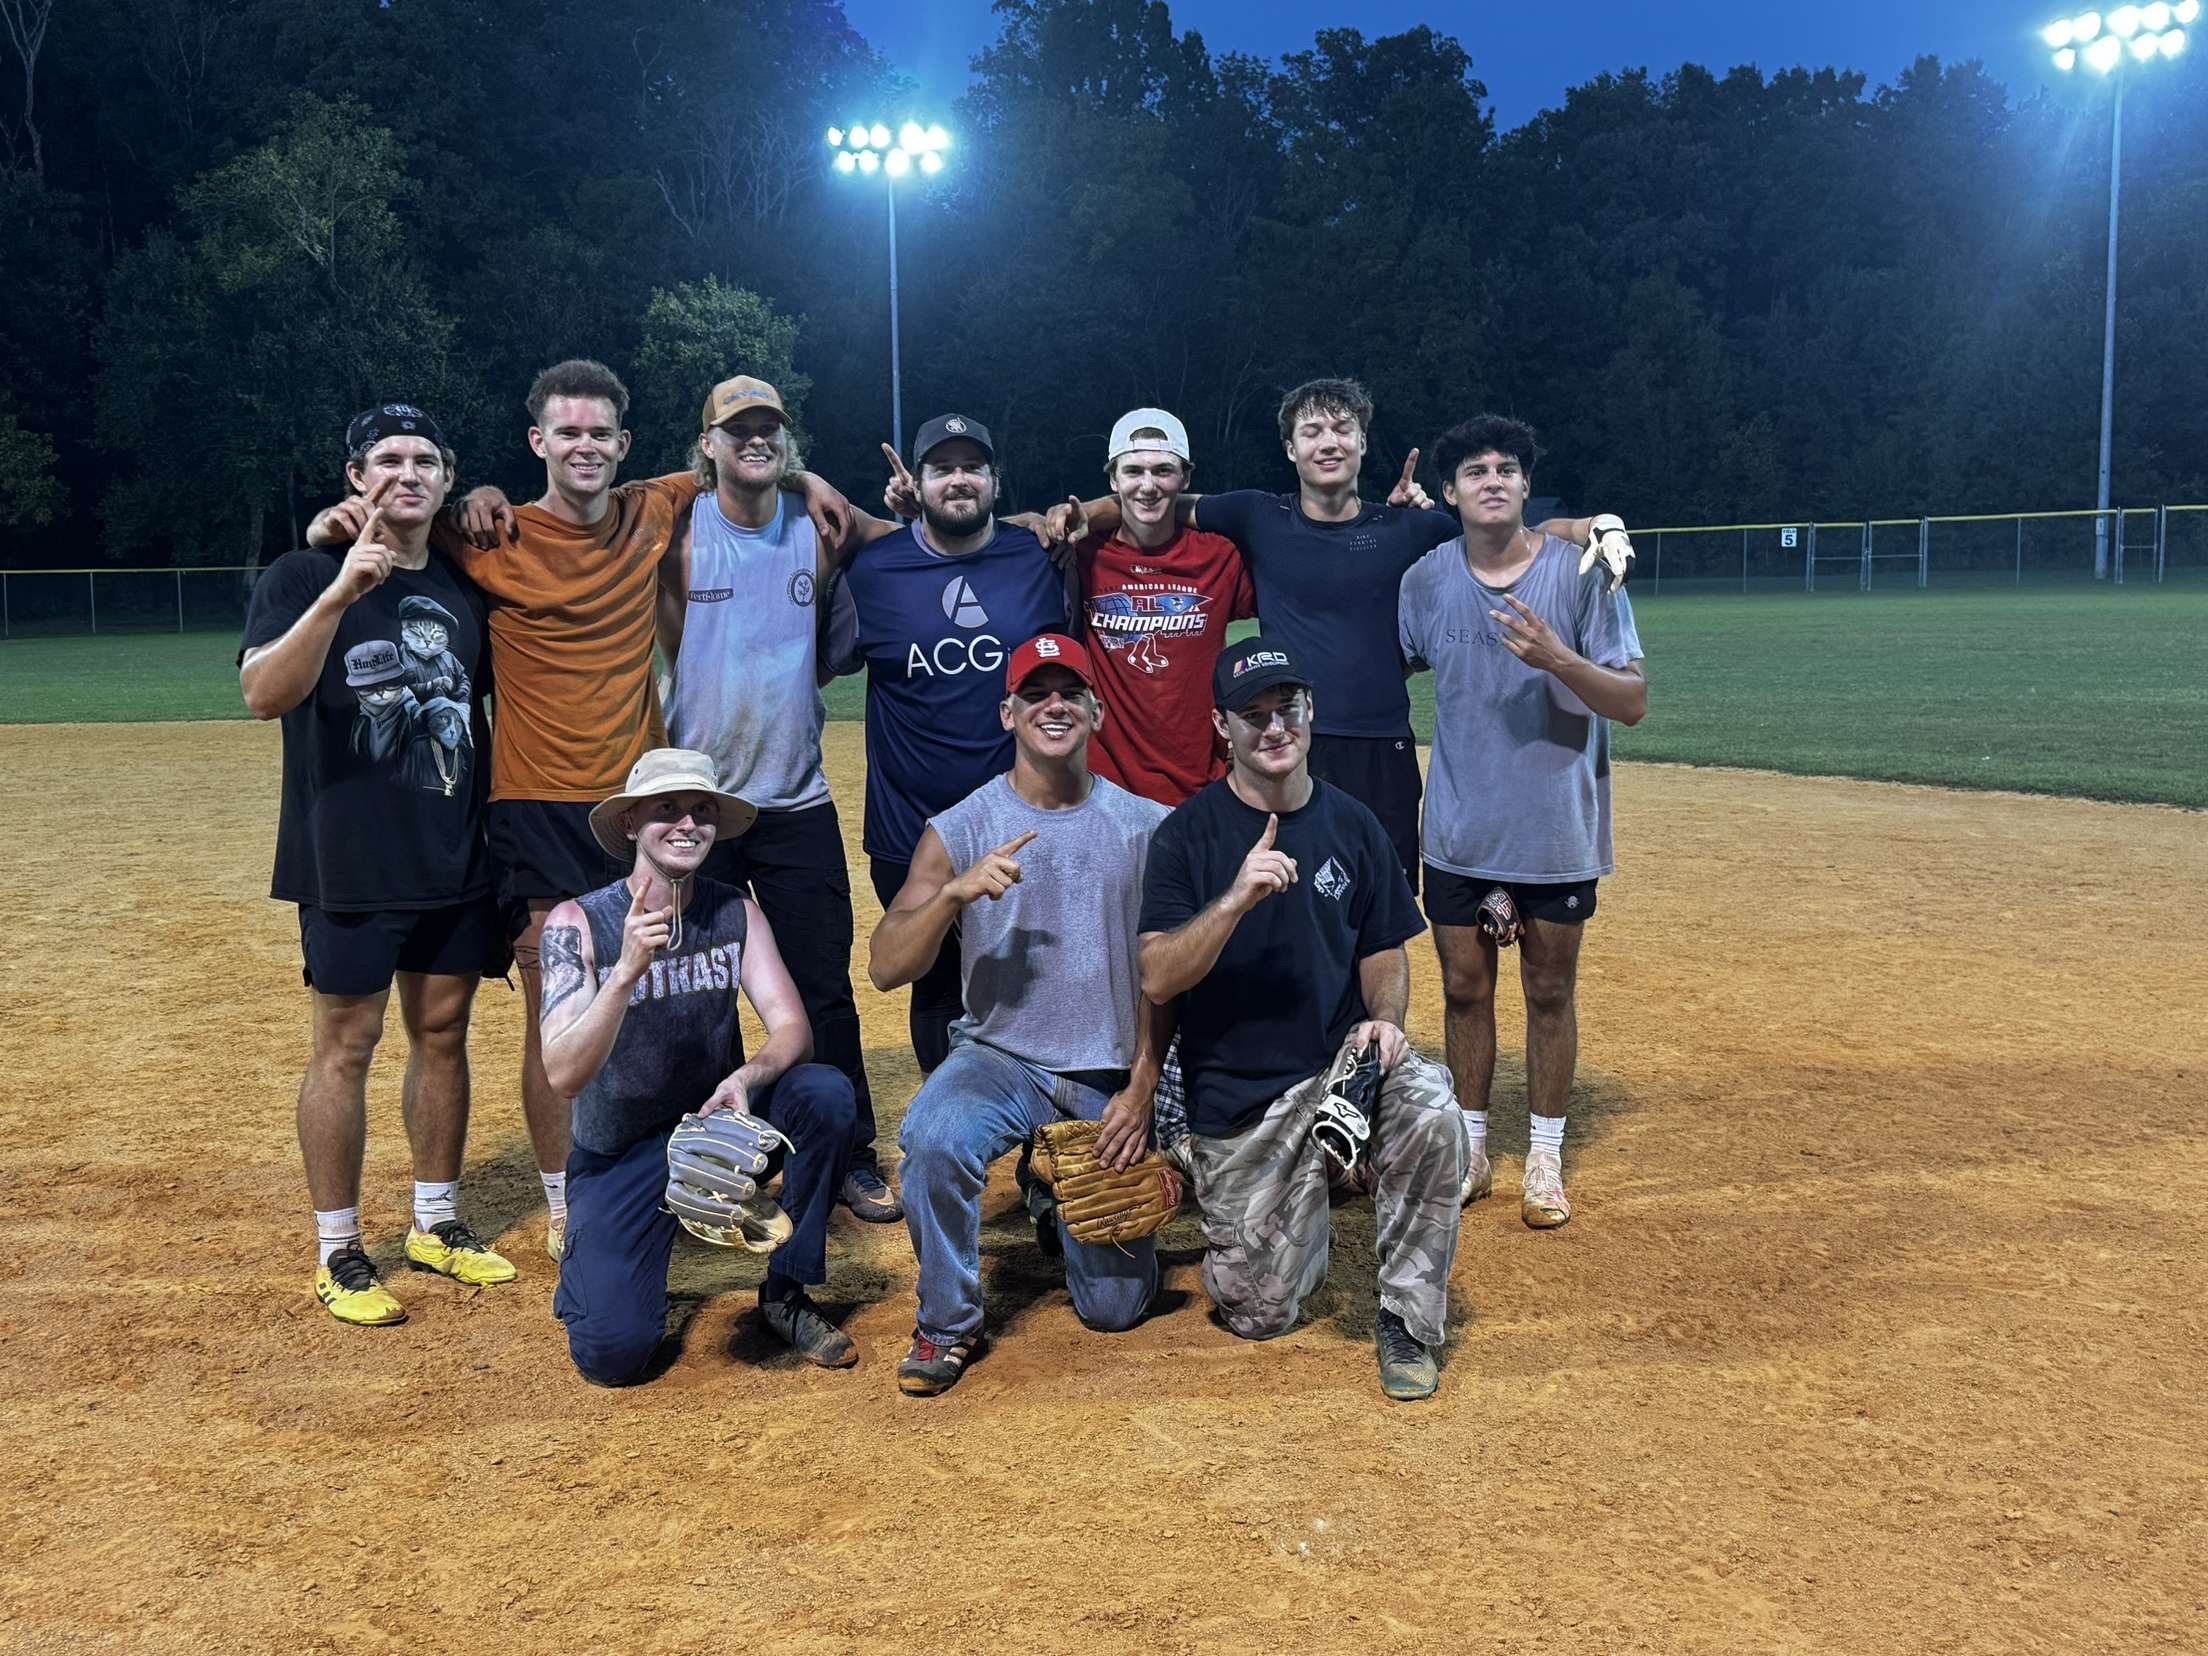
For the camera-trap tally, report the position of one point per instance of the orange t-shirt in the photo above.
(573, 704)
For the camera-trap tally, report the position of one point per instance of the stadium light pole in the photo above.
(865, 149)
(2111, 45)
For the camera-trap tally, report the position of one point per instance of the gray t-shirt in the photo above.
(1051, 968)
(1519, 785)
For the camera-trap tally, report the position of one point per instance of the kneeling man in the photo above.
(1277, 910)
(1041, 870)
(640, 1028)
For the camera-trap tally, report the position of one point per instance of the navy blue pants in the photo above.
(620, 1236)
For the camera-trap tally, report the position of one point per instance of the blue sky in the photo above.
(1529, 54)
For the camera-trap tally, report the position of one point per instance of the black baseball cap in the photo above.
(945, 428)
(372, 426)
(1250, 669)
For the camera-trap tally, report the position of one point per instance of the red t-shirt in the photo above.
(1156, 619)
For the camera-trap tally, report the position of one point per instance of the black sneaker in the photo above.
(799, 1324)
(930, 1369)
(868, 1197)
(1408, 1371)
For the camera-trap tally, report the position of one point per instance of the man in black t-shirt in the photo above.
(1275, 910)
(374, 660)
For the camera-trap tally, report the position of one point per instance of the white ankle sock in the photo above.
(1548, 1134)
(555, 1195)
(338, 1228)
(1475, 1123)
(435, 1203)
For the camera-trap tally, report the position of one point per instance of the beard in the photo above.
(958, 517)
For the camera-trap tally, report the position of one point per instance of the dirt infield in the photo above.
(1879, 1326)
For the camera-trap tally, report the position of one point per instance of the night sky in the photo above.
(1523, 53)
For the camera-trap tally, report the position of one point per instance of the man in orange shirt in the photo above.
(572, 580)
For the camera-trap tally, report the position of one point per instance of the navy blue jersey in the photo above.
(1328, 591)
(936, 633)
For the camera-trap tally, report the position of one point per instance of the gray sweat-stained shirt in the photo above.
(1052, 968)
(1519, 784)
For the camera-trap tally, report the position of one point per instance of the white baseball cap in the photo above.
(1124, 440)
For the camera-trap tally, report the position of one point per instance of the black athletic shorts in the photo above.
(544, 849)
(359, 954)
(1380, 773)
(1454, 899)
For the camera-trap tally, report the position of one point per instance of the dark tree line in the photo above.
(232, 222)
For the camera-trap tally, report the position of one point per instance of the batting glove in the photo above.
(1609, 545)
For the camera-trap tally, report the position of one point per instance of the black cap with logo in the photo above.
(391, 420)
(946, 428)
(1251, 668)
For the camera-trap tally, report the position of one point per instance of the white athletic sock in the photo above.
(435, 1203)
(555, 1195)
(338, 1228)
(1475, 1123)
(1548, 1134)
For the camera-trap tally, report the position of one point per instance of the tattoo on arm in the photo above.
(563, 965)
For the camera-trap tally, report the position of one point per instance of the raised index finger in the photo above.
(1410, 467)
(369, 527)
(897, 463)
(1013, 847)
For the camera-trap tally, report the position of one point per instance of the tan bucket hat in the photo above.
(661, 772)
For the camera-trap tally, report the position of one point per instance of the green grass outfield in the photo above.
(2102, 693)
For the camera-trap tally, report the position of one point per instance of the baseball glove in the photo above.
(1099, 1203)
(1343, 1125)
(713, 1164)
(1499, 918)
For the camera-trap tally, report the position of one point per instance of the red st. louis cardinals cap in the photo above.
(1048, 650)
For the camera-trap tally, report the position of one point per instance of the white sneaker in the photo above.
(1479, 1178)
(555, 1237)
(1544, 1206)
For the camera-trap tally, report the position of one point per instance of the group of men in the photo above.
(1131, 873)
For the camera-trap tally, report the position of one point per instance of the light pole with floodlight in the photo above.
(2138, 34)
(865, 149)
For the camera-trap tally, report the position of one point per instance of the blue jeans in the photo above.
(978, 1105)
(620, 1236)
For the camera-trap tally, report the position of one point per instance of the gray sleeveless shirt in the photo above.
(1052, 967)
(744, 686)
(680, 1036)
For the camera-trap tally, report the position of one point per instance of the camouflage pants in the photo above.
(1264, 1199)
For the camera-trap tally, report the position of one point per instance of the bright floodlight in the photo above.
(869, 162)
(2124, 20)
(2145, 47)
(911, 139)
(2088, 25)
(846, 161)
(2066, 59)
(879, 137)
(2155, 18)
(2104, 52)
(2185, 10)
(2056, 34)
(2173, 43)
(897, 163)
(931, 162)
(938, 139)
(835, 137)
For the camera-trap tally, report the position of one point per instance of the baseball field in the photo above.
(1879, 1325)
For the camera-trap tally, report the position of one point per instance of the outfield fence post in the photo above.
(1863, 578)
(2117, 569)
(2161, 541)
(1809, 562)
(93, 595)
(1659, 563)
(2020, 549)
(180, 601)
(1924, 551)
(7, 628)
(1744, 561)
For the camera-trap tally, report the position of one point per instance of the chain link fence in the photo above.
(2123, 546)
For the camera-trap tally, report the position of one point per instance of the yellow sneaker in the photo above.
(451, 1249)
(349, 1287)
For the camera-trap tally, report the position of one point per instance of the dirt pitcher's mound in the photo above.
(1878, 1325)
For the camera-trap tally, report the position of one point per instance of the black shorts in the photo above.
(1380, 773)
(359, 954)
(544, 849)
(1454, 899)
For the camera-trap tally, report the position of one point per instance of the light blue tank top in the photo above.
(744, 686)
